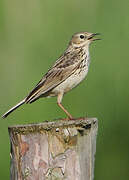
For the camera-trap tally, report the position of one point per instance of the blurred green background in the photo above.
(32, 35)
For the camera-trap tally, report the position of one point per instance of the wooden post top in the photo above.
(85, 123)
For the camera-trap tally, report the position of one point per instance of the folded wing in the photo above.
(56, 75)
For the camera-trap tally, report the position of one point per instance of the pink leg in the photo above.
(59, 99)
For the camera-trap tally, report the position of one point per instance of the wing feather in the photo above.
(64, 67)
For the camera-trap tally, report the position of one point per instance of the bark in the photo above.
(60, 150)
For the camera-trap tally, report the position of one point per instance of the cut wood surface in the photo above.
(59, 150)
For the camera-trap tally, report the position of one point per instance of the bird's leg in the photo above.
(62, 107)
(59, 99)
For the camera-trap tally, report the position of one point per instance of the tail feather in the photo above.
(13, 108)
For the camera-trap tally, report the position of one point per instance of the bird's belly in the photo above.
(71, 81)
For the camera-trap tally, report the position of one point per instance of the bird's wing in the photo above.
(56, 75)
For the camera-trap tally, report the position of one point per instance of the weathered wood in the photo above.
(60, 150)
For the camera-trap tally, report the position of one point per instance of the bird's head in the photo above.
(83, 39)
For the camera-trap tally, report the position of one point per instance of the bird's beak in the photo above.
(91, 37)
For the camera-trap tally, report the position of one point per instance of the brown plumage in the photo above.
(67, 72)
(62, 69)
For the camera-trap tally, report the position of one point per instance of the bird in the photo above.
(66, 73)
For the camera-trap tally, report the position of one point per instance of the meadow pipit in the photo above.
(67, 72)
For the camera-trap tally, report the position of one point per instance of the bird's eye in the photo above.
(82, 36)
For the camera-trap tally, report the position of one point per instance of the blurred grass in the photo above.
(32, 35)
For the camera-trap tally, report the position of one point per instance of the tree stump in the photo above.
(59, 150)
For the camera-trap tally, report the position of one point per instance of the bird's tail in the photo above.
(13, 108)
